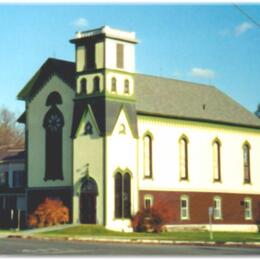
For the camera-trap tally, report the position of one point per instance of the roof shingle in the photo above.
(187, 100)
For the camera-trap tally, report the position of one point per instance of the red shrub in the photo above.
(50, 212)
(151, 219)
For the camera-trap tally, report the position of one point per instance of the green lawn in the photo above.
(100, 231)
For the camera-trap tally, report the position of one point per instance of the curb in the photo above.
(138, 241)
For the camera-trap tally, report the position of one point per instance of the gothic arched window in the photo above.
(96, 84)
(113, 84)
(83, 86)
(183, 158)
(216, 161)
(148, 171)
(118, 195)
(126, 86)
(246, 157)
(127, 195)
(53, 124)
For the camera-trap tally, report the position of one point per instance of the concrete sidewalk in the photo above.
(29, 232)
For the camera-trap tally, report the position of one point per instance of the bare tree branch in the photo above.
(10, 133)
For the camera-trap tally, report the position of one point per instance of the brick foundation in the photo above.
(199, 202)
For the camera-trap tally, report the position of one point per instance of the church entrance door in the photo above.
(88, 196)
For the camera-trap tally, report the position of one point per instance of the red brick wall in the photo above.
(199, 202)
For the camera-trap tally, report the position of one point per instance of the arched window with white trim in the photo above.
(118, 195)
(148, 171)
(113, 85)
(96, 84)
(216, 161)
(83, 86)
(122, 195)
(183, 143)
(126, 86)
(127, 195)
(246, 162)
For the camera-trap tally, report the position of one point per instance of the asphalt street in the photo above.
(13, 246)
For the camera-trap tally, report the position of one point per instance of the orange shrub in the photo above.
(50, 212)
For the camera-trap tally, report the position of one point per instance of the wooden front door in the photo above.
(88, 208)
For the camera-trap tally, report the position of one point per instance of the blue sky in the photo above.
(212, 44)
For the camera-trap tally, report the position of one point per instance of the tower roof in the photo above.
(107, 32)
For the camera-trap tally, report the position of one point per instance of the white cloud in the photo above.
(242, 28)
(203, 73)
(80, 22)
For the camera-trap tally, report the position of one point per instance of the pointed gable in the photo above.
(88, 118)
(65, 70)
(106, 114)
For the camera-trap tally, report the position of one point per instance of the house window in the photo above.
(113, 84)
(96, 84)
(246, 159)
(248, 209)
(18, 179)
(148, 156)
(2, 203)
(3, 179)
(216, 162)
(183, 158)
(83, 86)
(120, 56)
(126, 86)
(148, 201)
(53, 124)
(184, 207)
(10, 202)
(217, 208)
(122, 195)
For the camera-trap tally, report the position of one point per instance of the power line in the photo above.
(247, 15)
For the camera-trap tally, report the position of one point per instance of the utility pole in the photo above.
(210, 222)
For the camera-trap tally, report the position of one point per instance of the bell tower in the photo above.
(105, 63)
(105, 107)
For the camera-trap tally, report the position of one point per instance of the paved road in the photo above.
(13, 246)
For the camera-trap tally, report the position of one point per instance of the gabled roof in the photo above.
(191, 101)
(106, 114)
(22, 118)
(65, 70)
(156, 96)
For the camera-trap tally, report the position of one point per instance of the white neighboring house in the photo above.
(108, 141)
(12, 186)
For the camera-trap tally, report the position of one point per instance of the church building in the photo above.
(108, 141)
